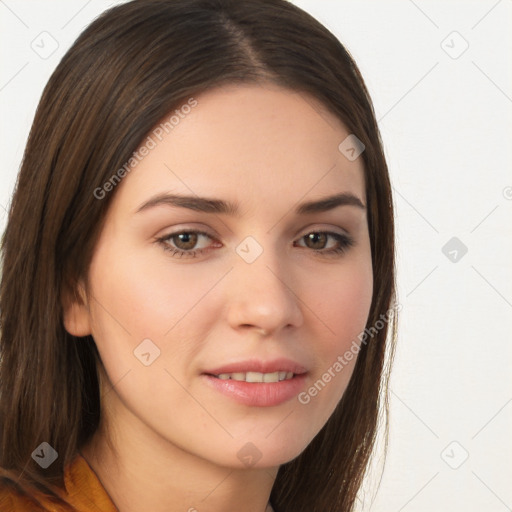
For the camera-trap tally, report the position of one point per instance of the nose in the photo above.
(262, 295)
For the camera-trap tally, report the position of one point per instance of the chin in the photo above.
(271, 451)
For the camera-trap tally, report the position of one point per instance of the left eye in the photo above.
(183, 243)
(320, 238)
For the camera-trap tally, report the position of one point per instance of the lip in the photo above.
(258, 394)
(257, 365)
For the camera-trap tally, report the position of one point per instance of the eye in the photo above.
(182, 243)
(317, 240)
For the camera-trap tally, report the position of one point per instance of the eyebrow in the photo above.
(219, 206)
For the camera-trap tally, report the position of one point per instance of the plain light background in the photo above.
(440, 76)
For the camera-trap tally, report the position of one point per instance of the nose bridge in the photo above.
(263, 295)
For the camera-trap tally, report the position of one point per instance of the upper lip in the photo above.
(260, 366)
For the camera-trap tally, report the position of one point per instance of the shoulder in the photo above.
(12, 500)
(82, 491)
(18, 498)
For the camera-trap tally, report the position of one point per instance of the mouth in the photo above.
(257, 383)
(256, 376)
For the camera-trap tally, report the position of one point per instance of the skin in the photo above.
(176, 439)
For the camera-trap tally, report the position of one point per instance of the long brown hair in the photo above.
(124, 73)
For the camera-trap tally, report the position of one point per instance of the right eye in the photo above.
(182, 243)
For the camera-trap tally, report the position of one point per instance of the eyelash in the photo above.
(344, 243)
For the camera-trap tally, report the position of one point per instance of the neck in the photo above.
(140, 470)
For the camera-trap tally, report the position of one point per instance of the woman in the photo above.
(198, 269)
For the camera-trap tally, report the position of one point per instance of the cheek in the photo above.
(345, 305)
(343, 308)
(138, 297)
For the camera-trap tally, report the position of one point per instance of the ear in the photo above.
(76, 314)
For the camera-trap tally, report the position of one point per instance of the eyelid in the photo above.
(330, 228)
(167, 232)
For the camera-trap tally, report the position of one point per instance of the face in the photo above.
(222, 325)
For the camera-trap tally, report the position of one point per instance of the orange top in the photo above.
(84, 492)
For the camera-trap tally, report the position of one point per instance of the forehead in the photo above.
(251, 143)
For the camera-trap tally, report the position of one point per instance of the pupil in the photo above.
(187, 239)
(316, 237)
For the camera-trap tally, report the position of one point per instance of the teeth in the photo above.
(253, 377)
(256, 376)
(270, 377)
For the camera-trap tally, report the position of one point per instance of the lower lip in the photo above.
(258, 394)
